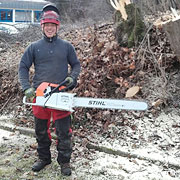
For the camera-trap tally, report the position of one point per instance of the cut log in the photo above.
(21, 130)
(167, 161)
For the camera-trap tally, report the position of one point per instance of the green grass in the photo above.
(16, 163)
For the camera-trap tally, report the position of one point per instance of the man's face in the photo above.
(49, 29)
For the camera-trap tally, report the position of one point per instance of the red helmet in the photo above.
(50, 17)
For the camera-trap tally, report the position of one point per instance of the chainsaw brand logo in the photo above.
(101, 103)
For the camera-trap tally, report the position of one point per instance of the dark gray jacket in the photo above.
(51, 58)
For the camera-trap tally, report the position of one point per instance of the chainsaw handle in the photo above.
(55, 89)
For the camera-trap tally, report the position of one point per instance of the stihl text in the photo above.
(96, 103)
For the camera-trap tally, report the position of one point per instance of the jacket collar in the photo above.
(50, 39)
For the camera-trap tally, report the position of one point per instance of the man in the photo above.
(51, 57)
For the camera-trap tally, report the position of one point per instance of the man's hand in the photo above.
(30, 93)
(71, 83)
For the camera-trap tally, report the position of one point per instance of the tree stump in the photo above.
(172, 30)
(130, 28)
(131, 31)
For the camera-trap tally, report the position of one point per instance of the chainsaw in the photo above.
(54, 96)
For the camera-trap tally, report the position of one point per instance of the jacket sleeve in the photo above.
(74, 62)
(24, 66)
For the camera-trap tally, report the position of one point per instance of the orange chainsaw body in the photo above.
(43, 86)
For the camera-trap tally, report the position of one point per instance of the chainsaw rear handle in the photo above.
(57, 88)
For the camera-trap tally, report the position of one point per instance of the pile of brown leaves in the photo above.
(108, 70)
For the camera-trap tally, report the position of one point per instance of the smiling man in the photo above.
(51, 57)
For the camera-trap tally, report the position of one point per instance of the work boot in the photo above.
(40, 164)
(65, 169)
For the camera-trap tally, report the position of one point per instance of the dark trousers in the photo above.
(63, 132)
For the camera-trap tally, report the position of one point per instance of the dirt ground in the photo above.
(153, 147)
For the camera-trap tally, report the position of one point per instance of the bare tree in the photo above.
(77, 10)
